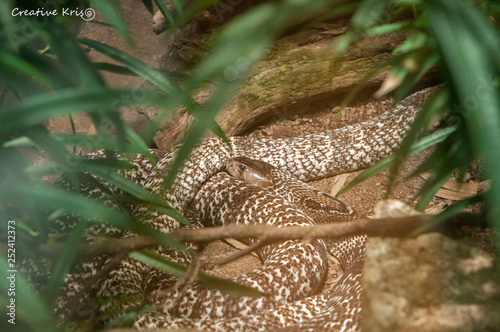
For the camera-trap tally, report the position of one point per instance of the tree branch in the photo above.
(386, 227)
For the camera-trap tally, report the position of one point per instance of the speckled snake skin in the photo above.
(292, 272)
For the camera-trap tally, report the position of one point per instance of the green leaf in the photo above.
(388, 28)
(74, 63)
(370, 13)
(449, 156)
(149, 6)
(424, 63)
(46, 199)
(48, 66)
(357, 89)
(20, 85)
(42, 107)
(22, 141)
(469, 47)
(415, 41)
(30, 308)
(176, 95)
(140, 68)
(123, 70)
(435, 105)
(113, 16)
(139, 192)
(28, 229)
(132, 142)
(448, 213)
(105, 172)
(86, 141)
(21, 66)
(205, 280)
(64, 262)
(178, 7)
(166, 13)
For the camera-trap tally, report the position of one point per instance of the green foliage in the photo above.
(383, 164)
(47, 74)
(463, 43)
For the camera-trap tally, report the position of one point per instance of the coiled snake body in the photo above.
(293, 272)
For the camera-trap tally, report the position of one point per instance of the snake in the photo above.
(251, 180)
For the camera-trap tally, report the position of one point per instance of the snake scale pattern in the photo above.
(293, 272)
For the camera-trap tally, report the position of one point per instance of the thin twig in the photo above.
(240, 253)
(104, 246)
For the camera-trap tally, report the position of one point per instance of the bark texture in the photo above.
(303, 68)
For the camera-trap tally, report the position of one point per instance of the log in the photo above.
(299, 71)
(302, 70)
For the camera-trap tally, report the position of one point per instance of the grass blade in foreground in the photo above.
(179, 270)
(470, 48)
(387, 162)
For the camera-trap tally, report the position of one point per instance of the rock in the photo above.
(429, 283)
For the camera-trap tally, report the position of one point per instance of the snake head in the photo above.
(252, 171)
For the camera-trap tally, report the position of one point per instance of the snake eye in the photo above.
(242, 168)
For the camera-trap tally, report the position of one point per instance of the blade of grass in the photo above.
(469, 50)
(70, 56)
(64, 262)
(388, 28)
(448, 213)
(449, 156)
(114, 17)
(20, 86)
(149, 5)
(94, 211)
(124, 70)
(21, 66)
(205, 280)
(139, 192)
(436, 104)
(140, 68)
(31, 309)
(166, 13)
(42, 107)
(177, 96)
(383, 164)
